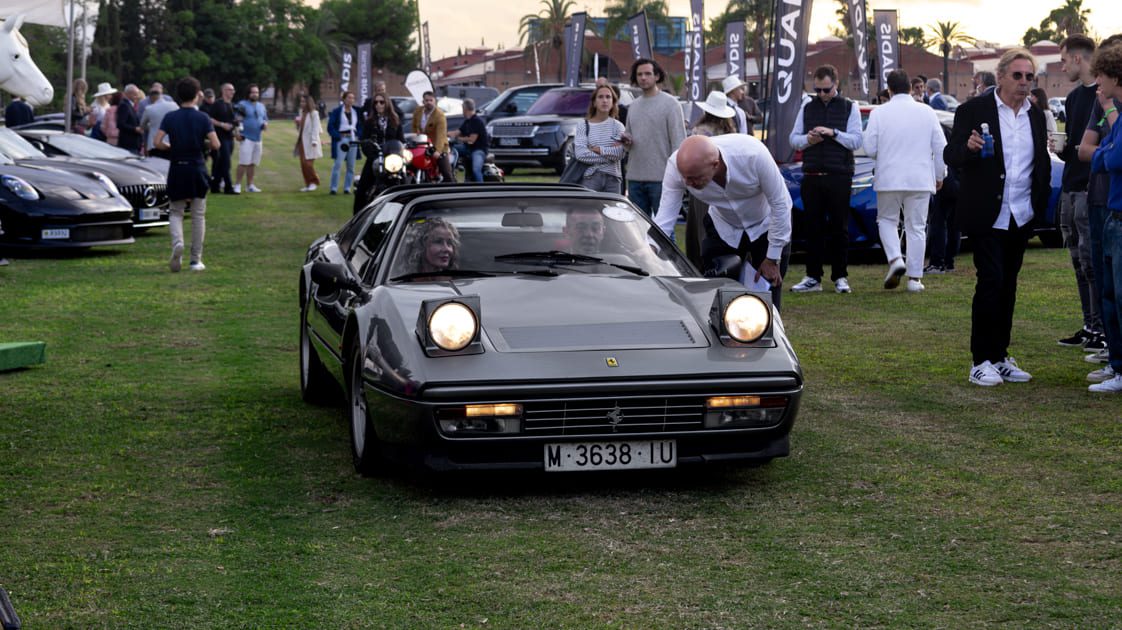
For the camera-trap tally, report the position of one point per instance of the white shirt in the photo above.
(347, 121)
(850, 137)
(907, 141)
(754, 199)
(741, 117)
(1017, 150)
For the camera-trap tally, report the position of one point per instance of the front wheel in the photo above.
(568, 154)
(364, 441)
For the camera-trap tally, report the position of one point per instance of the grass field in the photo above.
(161, 471)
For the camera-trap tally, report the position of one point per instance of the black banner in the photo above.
(574, 49)
(695, 54)
(640, 36)
(788, 73)
(426, 61)
(364, 92)
(888, 44)
(859, 28)
(734, 49)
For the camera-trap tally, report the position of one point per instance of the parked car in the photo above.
(515, 101)
(951, 102)
(863, 231)
(495, 345)
(1058, 105)
(48, 208)
(55, 142)
(145, 190)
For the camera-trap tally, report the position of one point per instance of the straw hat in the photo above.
(104, 89)
(717, 104)
(732, 82)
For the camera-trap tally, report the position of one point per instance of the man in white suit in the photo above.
(906, 140)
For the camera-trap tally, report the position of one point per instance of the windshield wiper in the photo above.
(555, 257)
(455, 273)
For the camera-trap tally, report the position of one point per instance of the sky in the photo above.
(456, 23)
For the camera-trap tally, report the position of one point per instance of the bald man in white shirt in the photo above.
(906, 140)
(749, 206)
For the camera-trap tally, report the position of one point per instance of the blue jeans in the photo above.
(1096, 220)
(942, 236)
(1112, 286)
(349, 158)
(477, 157)
(645, 195)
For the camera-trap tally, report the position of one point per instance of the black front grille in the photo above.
(139, 195)
(613, 416)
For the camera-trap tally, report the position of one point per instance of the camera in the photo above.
(345, 146)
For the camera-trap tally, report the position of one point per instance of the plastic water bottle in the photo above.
(987, 141)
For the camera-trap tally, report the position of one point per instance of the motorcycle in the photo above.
(386, 166)
(425, 166)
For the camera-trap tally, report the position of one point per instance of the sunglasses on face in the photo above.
(1017, 76)
(824, 90)
(379, 102)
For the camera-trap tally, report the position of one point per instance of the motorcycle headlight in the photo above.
(394, 163)
(747, 318)
(105, 181)
(20, 188)
(452, 326)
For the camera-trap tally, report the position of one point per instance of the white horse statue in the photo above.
(18, 73)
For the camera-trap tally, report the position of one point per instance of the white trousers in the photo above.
(198, 225)
(914, 205)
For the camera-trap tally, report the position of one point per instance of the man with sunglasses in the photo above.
(999, 198)
(827, 130)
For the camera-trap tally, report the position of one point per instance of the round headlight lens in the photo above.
(452, 326)
(394, 163)
(747, 318)
(20, 187)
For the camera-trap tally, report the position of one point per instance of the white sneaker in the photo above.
(197, 266)
(1101, 374)
(1010, 373)
(1099, 356)
(305, 189)
(985, 374)
(841, 285)
(807, 285)
(1110, 386)
(254, 188)
(895, 271)
(176, 262)
(311, 187)
(237, 189)
(915, 286)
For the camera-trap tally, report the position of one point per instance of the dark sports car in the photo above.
(144, 189)
(55, 142)
(43, 207)
(537, 327)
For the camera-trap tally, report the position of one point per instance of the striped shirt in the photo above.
(606, 136)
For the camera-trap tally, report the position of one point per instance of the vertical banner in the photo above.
(426, 55)
(640, 36)
(859, 27)
(346, 71)
(364, 92)
(574, 49)
(695, 55)
(888, 44)
(734, 49)
(788, 74)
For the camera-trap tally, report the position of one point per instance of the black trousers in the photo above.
(998, 255)
(753, 251)
(826, 202)
(220, 167)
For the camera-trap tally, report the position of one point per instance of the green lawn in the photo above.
(161, 470)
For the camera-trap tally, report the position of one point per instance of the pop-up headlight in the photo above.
(450, 326)
(740, 317)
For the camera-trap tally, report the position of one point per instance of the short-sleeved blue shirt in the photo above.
(187, 129)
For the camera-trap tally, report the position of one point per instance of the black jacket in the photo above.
(127, 122)
(982, 182)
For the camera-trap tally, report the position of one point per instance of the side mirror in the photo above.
(333, 277)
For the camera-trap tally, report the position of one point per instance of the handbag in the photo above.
(574, 171)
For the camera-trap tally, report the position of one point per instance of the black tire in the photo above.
(316, 384)
(365, 448)
(568, 153)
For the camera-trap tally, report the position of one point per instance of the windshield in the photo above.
(81, 146)
(15, 147)
(543, 236)
(562, 103)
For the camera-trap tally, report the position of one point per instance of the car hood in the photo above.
(122, 174)
(55, 184)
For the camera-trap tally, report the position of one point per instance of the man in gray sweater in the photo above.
(655, 128)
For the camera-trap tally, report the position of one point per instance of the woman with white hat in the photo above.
(98, 109)
(717, 120)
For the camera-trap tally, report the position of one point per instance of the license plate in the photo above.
(149, 214)
(54, 233)
(611, 455)
(508, 142)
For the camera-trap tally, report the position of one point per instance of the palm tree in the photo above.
(619, 11)
(913, 36)
(946, 35)
(546, 26)
(1069, 19)
(757, 16)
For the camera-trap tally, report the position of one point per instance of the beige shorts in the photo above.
(249, 153)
